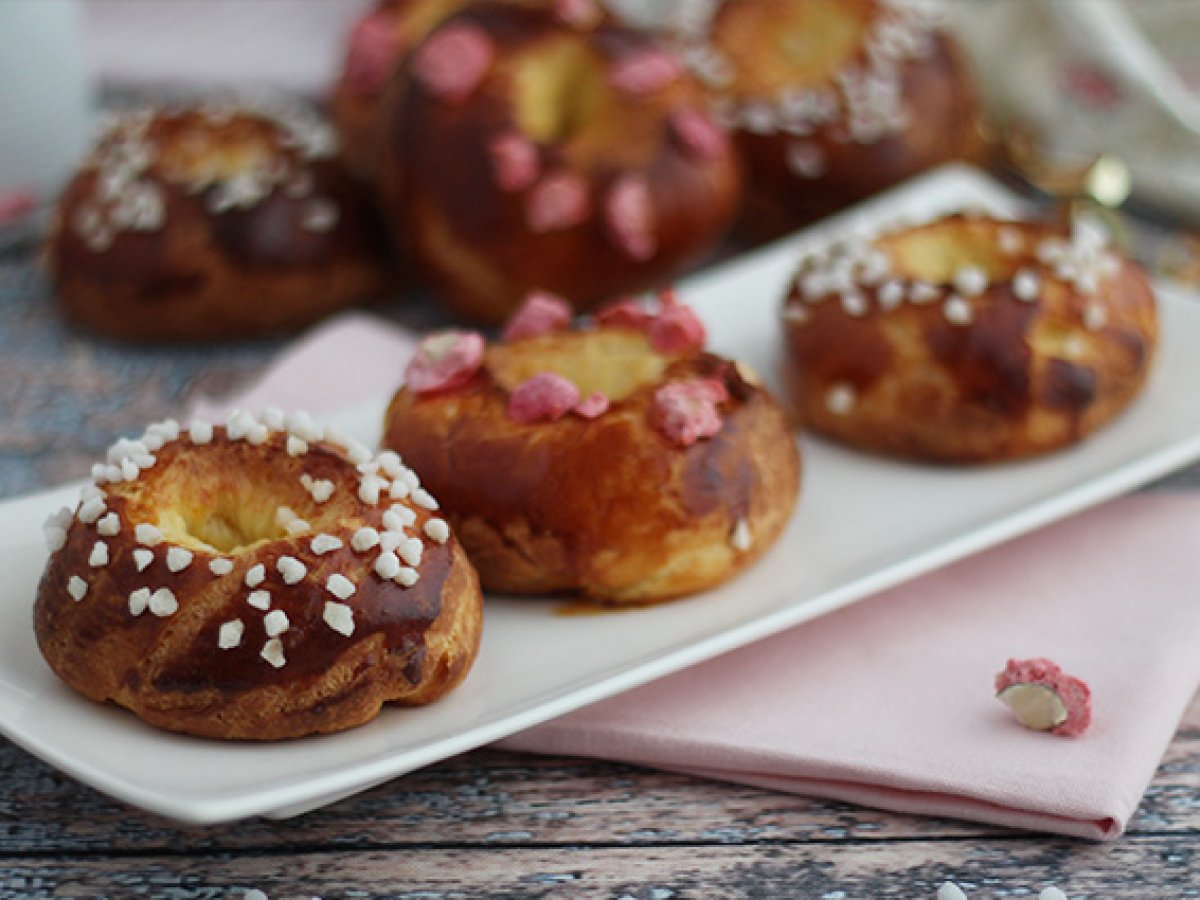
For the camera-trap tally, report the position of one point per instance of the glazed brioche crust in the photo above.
(408, 646)
(608, 508)
(473, 239)
(1023, 378)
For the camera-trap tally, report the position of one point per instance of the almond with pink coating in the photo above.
(557, 202)
(372, 54)
(624, 313)
(541, 313)
(444, 361)
(676, 329)
(686, 411)
(643, 72)
(454, 60)
(629, 215)
(1044, 697)
(546, 397)
(593, 407)
(698, 135)
(515, 162)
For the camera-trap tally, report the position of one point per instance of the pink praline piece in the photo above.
(698, 135)
(643, 72)
(593, 407)
(546, 397)
(629, 215)
(372, 52)
(444, 361)
(624, 313)
(454, 60)
(1075, 694)
(557, 202)
(676, 329)
(514, 161)
(686, 411)
(541, 313)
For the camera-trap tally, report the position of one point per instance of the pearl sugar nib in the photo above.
(1045, 698)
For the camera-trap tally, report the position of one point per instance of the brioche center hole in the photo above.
(614, 362)
(937, 252)
(225, 523)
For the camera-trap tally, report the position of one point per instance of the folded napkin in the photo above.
(888, 703)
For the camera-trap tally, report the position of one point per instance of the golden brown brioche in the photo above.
(831, 100)
(616, 461)
(968, 339)
(213, 222)
(537, 148)
(375, 48)
(257, 580)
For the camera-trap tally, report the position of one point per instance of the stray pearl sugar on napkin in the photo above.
(889, 702)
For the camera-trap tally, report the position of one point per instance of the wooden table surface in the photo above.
(489, 823)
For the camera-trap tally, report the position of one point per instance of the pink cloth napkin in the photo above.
(888, 703)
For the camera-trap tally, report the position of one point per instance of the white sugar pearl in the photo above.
(394, 521)
(840, 399)
(370, 488)
(340, 586)
(273, 418)
(259, 599)
(971, 281)
(923, 292)
(321, 489)
(220, 566)
(438, 530)
(285, 515)
(139, 600)
(179, 559)
(200, 432)
(108, 525)
(99, 555)
(148, 535)
(339, 617)
(77, 588)
(390, 463)
(297, 526)
(950, 891)
(740, 536)
(255, 575)
(275, 622)
(1026, 285)
(163, 603)
(364, 539)
(1095, 317)
(1010, 241)
(272, 652)
(358, 452)
(410, 550)
(891, 295)
(257, 434)
(325, 543)
(291, 569)
(796, 315)
(230, 635)
(957, 311)
(387, 565)
(407, 577)
(399, 489)
(129, 470)
(406, 516)
(296, 446)
(422, 497)
(56, 537)
(142, 558)
(1052, 893)
(91, 510)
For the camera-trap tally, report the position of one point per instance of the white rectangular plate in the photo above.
(863, 524)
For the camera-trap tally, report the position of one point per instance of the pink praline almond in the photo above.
(698, 135)
(454, 60)
(444, 361)
(546, 397)
(1075, 695)
(629, 215)
(514, 161)
(624, 313)
(593, 407)
(643, 72)
(372, 53)
(541, 313)
(676, 329)
(686, 411)
(557, 202)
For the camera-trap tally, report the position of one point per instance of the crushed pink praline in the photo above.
(1076, 696)
(444, 361)
(515, 161)
(576, 13)
(373, 51)
(454, 60)
(624, 313)
(592, 407)
(698, 135)
(557, 202)
(644, 71)
(676, 329)
(541, 313)
(629, 215)
(685, 411)
(546, 397)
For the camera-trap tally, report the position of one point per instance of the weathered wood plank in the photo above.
(1164, 867)
(490, 797)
